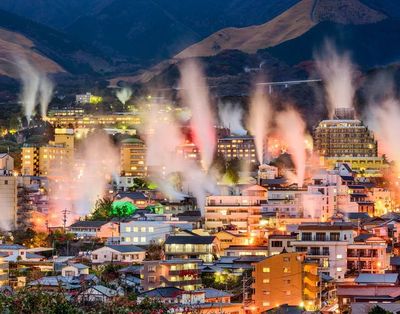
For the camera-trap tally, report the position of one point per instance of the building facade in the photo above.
(133, 158)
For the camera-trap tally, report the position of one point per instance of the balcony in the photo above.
(179, 283)
(183, 272)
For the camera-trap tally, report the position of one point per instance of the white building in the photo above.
(118, 253)
(284, 203)
(6, 162)
(327, 243)
(74, 270)
(8, 201)
(242, 210)
(97, 293)
(150, 228)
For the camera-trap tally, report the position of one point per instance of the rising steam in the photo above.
(337, 72)
(163, 140)
(231, 116)
(292, 129)
(195, 95)
(259, 120)
(36, 86)
(46, 91)
(124, 94)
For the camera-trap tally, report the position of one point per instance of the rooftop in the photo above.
(377, 278)
(190, 240)
(126, 248)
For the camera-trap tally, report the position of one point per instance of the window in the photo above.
(265, 280)
(286, 259)
(276, 244)
(339, 256)
(286, 269)
(142, 239)
(286, 281)
(135, 229)
(143, 229)
(265, 292)
(128, 229)
(306, 236)
(266, 270)
(135, 239)
(266, 303)
(128, 239)
(335, 236)
(151, 229)
(339, 269)
(320, 236)
(288, 292)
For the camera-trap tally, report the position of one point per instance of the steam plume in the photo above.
(124, 94)
(36, 86)
(337, 72)
(259, 120)
(292, 129)
(195, 95)
(163, 140)
(46, 91)
(30, 84)
(231, 117)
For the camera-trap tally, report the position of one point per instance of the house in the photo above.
(242, 250)
(118, 254)
(75, 270)
(97, 293)
(216, 296)
(139, 199)
(206, 248)
(165, 294)
(16, 252)
(369, 288)
(228, 238)
(94, 229)
(180, 273)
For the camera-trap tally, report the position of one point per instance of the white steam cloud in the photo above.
(292, 129)
(195, 95)
(230, 116)
(337, 72)
(36, 87)
(165, 163)
(124, 94)
(260, 120)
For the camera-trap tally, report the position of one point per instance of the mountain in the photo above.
(55, 50)
(150, 31)
(370, 45)
(291, 24)
(57, 14)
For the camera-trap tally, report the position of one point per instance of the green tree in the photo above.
(378, 310)
(102, 209)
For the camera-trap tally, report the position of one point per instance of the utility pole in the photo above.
(65, 213)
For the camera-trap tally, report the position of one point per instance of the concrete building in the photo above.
(367, 254)
(238, 147)
(242, 210)
(286, 278)
(4, 270)
(6, 162)
(279, 242)
(75, 270)
(344, 137)
(327, 244)
(179, 273)
(51, 159)
(147, 230)
(133, 158)
(206, 248)
(8, 201)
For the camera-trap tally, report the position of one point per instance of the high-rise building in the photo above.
(286, 278)
(8, 201)
(238, 147)
(133, 157)
(344, 136)
(56, 156)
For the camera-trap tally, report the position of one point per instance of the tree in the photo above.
(102, 209)
(154, 252)
(378, 310)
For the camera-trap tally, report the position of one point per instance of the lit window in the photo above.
(266, 303)
(339, 269)
(128, 229)
(128, 239)
(135, 229)
(339, 256)
(143, 229)
(266, 270)
(151, 229)
(135, 239)
(143, 239)
(265, 280)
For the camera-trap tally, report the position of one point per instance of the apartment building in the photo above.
(242, 210)
(133, 158)
(179, 273)
(238, 147)
(285, 278)
(326, 243)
